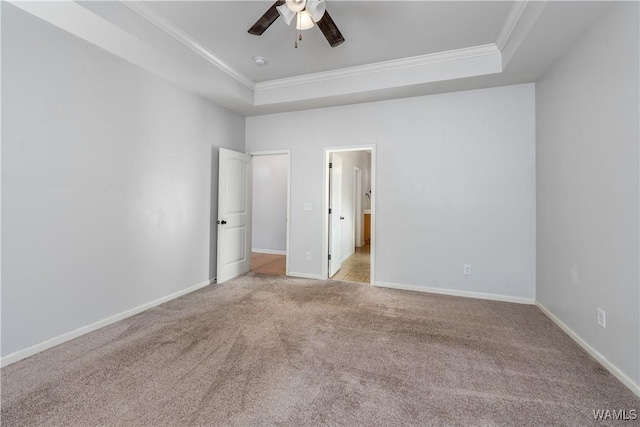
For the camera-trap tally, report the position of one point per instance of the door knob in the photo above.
(223, 222)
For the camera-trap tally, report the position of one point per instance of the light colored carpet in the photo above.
(267, 350)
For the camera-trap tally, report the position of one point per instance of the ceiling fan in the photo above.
(306, 12)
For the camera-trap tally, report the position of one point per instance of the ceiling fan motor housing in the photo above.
(296, 5)
(290, 8)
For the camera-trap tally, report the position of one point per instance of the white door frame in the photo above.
(335, 175)
(288, 153)
(357, 207)
(325, 206)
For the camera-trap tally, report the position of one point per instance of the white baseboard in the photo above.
(30, 351)
(615, 371)
(457, 293)
(268, 251)
(305, 275)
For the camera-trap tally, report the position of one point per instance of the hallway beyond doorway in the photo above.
(356, 268)
(268, 263)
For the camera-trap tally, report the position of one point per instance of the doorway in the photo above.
(270, 226)
(349, 188)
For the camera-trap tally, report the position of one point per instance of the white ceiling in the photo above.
(374, 31)
(393, 48)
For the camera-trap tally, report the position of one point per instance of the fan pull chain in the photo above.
(298, 32)
(295, 29)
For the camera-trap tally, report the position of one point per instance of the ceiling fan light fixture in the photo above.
(304, 20)
(288, 9)
(286, 13)
(296, 5)
(316, 8)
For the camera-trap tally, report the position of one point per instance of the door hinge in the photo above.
(329, 257)
(330, 165)
(329, 211)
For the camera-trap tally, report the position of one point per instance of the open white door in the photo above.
(358, 240)
(234, 215)
(335, 201)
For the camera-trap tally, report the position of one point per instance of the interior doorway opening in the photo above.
(270, 227)
(348, 240)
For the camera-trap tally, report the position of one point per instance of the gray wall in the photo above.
(269, 218)
(455, 185)
(106, 174)
(587, 188)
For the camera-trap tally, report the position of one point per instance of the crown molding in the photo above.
(510, 23)
(242, 93)
(437, 67)
(174, 31)
(381, 67)
(164, 24)
(519, 22)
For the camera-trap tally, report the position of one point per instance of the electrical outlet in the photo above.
(308, 257)
(602, 319)
(307, 206)
(466, 268)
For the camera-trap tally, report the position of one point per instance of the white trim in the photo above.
(457, 293)
(325, 214)
(510, 23)
(519, 22)
(174, 31)
(615, 371)
(374, 218)
(30, 351)
(1, 171)
(358, 217)
(304, 275)
(269, 251)
(269, 152)
(348, 148)
(380, 67)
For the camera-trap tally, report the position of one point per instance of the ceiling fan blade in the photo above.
(330, 31)
(266, 20)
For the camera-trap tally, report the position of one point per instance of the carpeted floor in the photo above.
(266, 350)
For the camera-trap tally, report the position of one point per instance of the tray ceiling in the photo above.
(393, 48)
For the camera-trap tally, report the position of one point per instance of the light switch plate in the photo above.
(602, 319)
